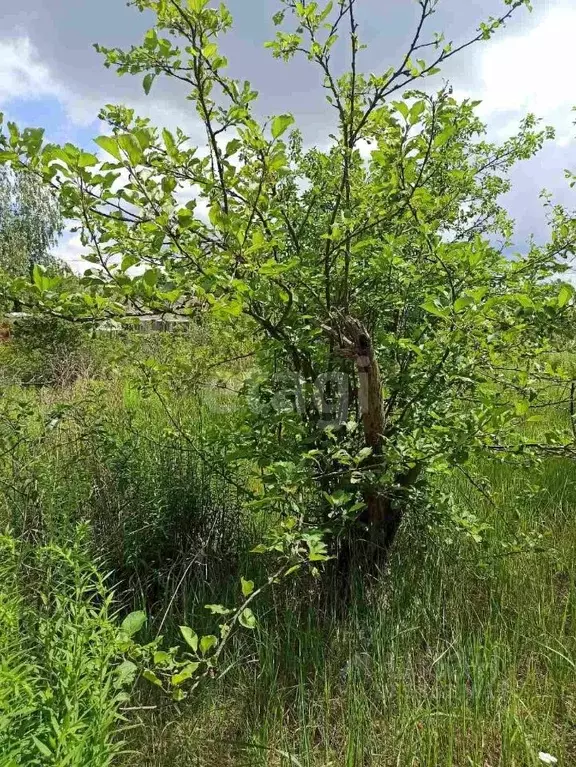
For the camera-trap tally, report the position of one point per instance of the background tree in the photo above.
(30, 222)
(380, 259)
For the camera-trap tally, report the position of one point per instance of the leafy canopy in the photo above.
(395, 235)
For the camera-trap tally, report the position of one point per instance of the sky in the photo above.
(51, 76)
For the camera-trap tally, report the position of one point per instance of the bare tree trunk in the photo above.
(371, 539)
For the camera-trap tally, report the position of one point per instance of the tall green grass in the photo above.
(60, 696)
(464, 655)
(461, 656)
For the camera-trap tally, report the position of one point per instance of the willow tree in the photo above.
(30, 222)
(379, 259)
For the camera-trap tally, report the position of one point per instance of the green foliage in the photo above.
(388, 235)
(59, 690)
(457, 638)
(374, 259)
(30, 221)
(46, 350)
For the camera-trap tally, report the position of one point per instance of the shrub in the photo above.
(47, 350)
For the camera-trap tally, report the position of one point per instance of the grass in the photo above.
(464, 655)
(455, 659)
(59, 697)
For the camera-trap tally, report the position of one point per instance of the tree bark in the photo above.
(378, 525)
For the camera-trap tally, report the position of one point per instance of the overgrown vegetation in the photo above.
(328, 520)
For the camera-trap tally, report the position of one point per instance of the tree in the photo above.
(30, 222)
(376, 265)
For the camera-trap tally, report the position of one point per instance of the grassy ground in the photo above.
(456, 659)
(462, 656)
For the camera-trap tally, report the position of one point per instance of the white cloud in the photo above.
(532, 72)
(23, 76)
(71, 251)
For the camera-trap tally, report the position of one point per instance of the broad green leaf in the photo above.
(462, 303)
(86, 160)
(280, 124)
(210, 50)
(126, 672)
(247, 587)
(186, 673)
(197, 5)
(133, 623)
(207, 643)
(247, 619)
(218, 609)
(169, 142)
(432, 308)
(169, 184)
(151, 677)
(190, 637)
(402, 107)
(566, 293)
(128, 261)
(150, 277)
(109, 144)
(416, 111)
(148, 82)
(132, 148)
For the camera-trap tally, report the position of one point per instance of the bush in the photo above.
(47, 350)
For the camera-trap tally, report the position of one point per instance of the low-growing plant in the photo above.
(60, 692)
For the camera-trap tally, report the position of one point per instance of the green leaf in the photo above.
(210, 50)
(109, 144)
(416, 111)
(207, 643)
(432, 308)
(130, 260)
(462, 303)
(151, 677)
(218, 609)
(148, 82)
(326, 12)
(566, 293)
(402, 107)
(126, 672)
(132, 148)
(247, 619)
(169, 142)
(85, 160)
(190, 637)
(187, 673)
(197, 5)
(133, 623)
(169, 184)
(444, 137)
(364, 453)
(247, 587)
(150, 277)
(280, 124)
(44, 750)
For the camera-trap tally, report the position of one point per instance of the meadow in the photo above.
(462, 654)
